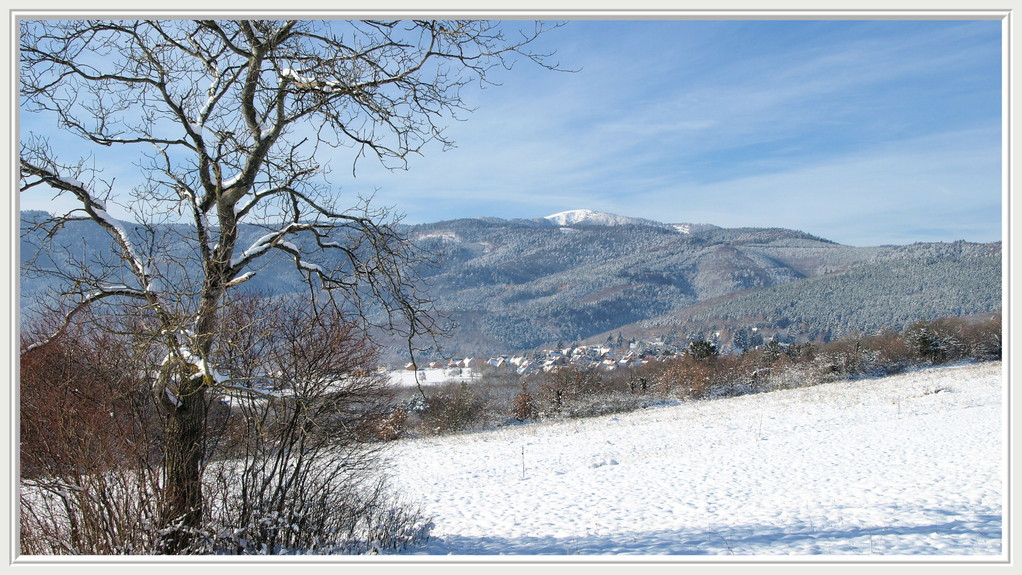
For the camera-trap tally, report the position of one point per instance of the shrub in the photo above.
(389, 427)
(686, 378)
(568, 385)
(893, 354)
(80, 401)
(638, 383)
(938, 341)
(735, 375)
(791, 375)
(89, 480)
(524, 405)
(847, 358)
(451, 408)
(702, 349)
(983, 338)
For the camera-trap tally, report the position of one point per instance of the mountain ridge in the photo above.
(515, 285)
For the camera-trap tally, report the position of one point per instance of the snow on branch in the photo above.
(243, 209)
(200, 369)
(274, 239)
(240, 279)
(96, 209)
(258, 247)
(311, 82)
(142, 270)
(103, 292)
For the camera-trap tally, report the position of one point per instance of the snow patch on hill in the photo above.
(694, 228)
(594, 218)
(447, 236)
(584, 217)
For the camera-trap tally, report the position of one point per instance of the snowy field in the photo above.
(430, 377)
(906, 465)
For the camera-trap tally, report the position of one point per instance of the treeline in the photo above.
(499, 397)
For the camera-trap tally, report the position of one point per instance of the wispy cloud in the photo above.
(740, 124)
(949, 182)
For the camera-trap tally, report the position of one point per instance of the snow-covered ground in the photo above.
(430, 376)
(906, 465)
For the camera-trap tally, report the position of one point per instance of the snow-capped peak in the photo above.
(594, 218)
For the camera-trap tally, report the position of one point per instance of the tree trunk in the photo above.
(184, 441)
(183, 455)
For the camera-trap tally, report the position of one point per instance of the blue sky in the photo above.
(863, 132)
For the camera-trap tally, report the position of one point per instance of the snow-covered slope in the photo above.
(905, 465)
(594, 218)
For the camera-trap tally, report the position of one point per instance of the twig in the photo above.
(523, 462)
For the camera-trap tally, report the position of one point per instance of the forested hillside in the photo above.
(518, 284)
(895, 289)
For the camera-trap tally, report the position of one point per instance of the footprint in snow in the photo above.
(602, 461)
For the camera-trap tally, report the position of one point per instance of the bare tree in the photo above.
(231, 121)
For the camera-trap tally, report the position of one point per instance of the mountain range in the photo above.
(586, 276)
(583, 276)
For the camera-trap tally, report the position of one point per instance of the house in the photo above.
(518, 360)
(528, 367)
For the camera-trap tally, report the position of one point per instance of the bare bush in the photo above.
(300, 475)
(289, 469)
(566, 385)
(893, 354)
(984, 338)
(451, 408)
(937, 341)
(389, 427)
(685, 378)
(89, 470)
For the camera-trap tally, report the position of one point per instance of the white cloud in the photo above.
(948, 185)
